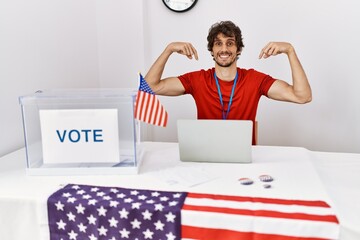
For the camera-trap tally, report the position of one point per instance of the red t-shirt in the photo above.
(251, 85)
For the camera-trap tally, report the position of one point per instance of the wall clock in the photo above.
(179, 5)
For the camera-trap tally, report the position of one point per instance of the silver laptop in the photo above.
(215, 140)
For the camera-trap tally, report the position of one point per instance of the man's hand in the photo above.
(275, 48)
(183, 48)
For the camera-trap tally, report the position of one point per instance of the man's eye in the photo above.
(230, 44)
(217, 43)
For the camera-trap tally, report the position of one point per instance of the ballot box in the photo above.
(81, 132)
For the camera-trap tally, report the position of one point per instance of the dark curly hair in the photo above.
(229, 29)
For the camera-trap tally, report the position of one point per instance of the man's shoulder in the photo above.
(203, 71)
(247, 70)
(250, 72)
(200, 73)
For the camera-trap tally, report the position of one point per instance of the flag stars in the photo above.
(135, 224)
(128, 200)
(92, 202)
(124, 233)
(92, 237)
(155, 194)
(159, 207)
(92, 219)
(124, 213)
(61, 224)
(177, 195)
(72, 235)
(164, 199)
(120, 195)
(170, 236)
(67, 194)
(102, 231)
(71, 216)
(100, 194)
(159, 225)
(113, 222)
(102, 211)
(173, 203)
(107, 198)
(71, 200)
(80, 192)
(148, 234)
(136, 205)
(147, 215)
(86, 212)
(114, 203)
(151, 201)
(134, 192)
(87, 196)
(142, 197)
(82, 227)
(59, 206)
(170, 217)
(80, 209)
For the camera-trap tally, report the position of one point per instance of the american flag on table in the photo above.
(78, 212)
(148, 107)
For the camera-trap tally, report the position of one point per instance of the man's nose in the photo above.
(224, 47)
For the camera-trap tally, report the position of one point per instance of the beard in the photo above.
(224, 64)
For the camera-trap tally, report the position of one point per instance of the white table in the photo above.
(340, 174)
(23, 198)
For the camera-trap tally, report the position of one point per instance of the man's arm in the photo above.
(300, 90)
(170, 86)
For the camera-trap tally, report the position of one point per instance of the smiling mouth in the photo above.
(224, 56)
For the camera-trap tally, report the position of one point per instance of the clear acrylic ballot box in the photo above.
(81, 132)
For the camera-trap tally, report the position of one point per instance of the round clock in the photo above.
(179, 5)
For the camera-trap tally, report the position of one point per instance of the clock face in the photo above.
(179, 5)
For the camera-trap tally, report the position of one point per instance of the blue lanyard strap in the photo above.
(224, 116)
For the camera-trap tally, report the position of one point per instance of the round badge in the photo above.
(266, 178)
(246, 181)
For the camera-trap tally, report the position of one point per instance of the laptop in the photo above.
(220, 141)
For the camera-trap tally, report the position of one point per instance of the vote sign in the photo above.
(80, 135)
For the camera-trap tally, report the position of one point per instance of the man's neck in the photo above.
(226, 73)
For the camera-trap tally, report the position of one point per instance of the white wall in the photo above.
(43, 45)
(120, 42)
(94, 43)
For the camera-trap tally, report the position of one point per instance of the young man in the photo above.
(226, 91)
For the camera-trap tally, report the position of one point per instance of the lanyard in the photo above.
(224, 116)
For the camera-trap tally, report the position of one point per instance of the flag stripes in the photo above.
(194, 233)
(253, 205)
(262, 200)
(262, 213)
(205, 215)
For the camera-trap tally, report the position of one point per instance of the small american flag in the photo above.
(78, 212)
(147, 107)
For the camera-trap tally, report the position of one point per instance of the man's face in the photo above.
(224, 50)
